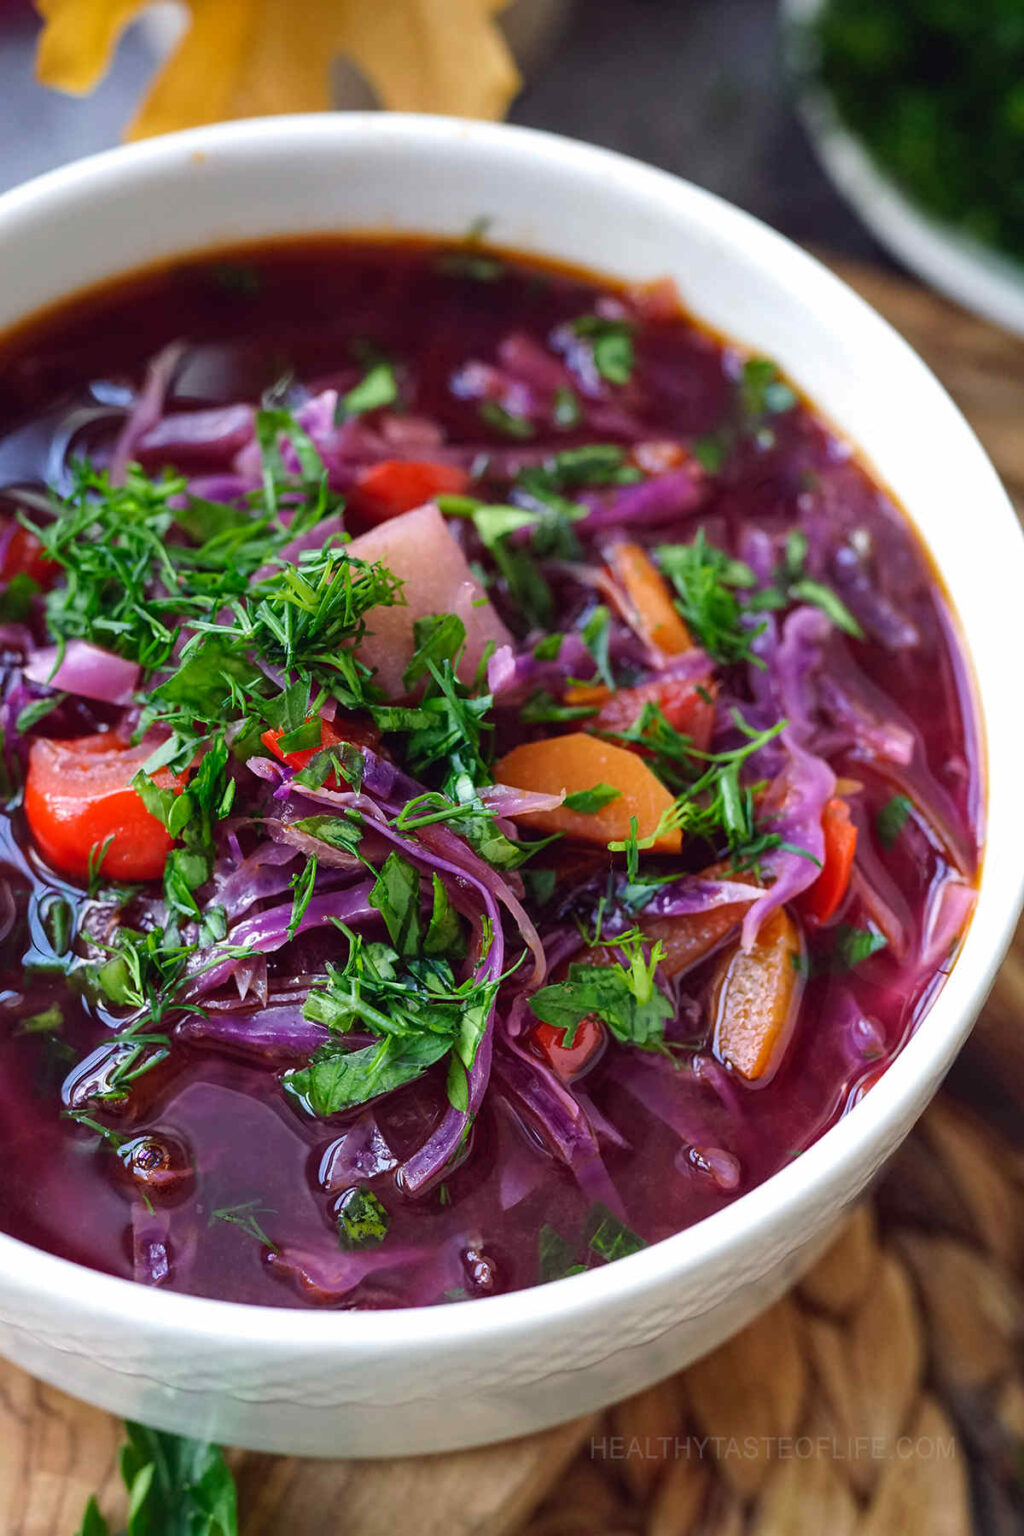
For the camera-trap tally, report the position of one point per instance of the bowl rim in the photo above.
(863, 1136)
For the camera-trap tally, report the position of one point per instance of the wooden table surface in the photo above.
(55, 1451)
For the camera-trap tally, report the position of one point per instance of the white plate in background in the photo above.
(981, 279)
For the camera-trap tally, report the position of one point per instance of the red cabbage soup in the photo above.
(488, 776)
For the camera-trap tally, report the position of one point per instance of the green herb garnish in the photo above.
(556, 1257)
(623, 995)
(376, 389)
(176, 1487)
(707, 581)
(589, 801)
(362, 1220)
(852, 946)
(246, 1217)
(892, 818)
(495, 415)
(611, 1238)
(612, 344)
(414, 1007)
(763, 391)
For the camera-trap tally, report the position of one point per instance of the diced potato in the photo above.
(419, 549)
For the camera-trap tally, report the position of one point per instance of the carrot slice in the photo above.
(689, 940)
(755, 998)
(576, 764)
(591, 694)
(649, 596)
(823, 899)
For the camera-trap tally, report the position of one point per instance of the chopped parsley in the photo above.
(548, 648)
(612, 345)
(542, 708)
(763, 391)
(302, 888)
(589, 801)
(494, 415)
(376, 389)
(396, 895)
(710, 451)
(707, 580)
(790, 584)
(589, 465)
(891, 819)
(711, 801)
(567, 410)
(556, 1257)
(246, 1217)
(362, 1220)
(720, 601)
(540, 885)
(596, 636)
(412, 1006)
(38, 710)
(50, 1021)
(623, 995)
(852, 946)
(609, 1237)
(495, 526)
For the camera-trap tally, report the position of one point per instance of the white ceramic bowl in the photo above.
(384, 1383)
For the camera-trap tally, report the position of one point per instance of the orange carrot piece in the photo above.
(689, 940)
(755, 998)
(650, 599)
(592, 694)
(823, 899)
(577, 763)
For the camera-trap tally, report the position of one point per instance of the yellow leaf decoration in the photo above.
(255, 58)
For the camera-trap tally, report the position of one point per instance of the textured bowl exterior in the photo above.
(428, 1379)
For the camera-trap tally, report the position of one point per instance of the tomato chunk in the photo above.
(78, 794)
(395, 486)
(823, 899)
(361, 733)
(688, 708)
(568, 1061)
(23, 556)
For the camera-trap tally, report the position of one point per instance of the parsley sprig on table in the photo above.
(175, 1486)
